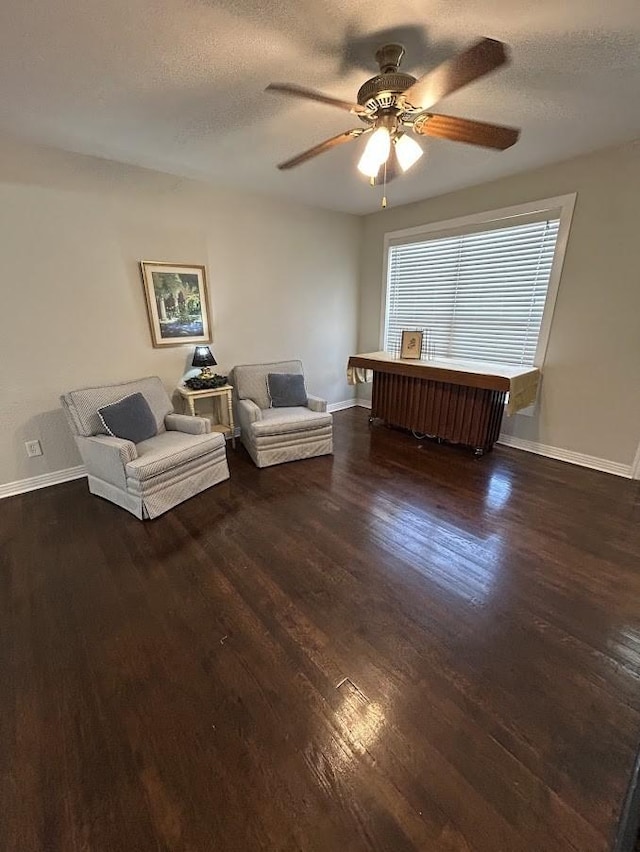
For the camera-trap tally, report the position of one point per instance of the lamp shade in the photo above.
(203, 357)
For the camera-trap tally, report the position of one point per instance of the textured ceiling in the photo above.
(177, 85)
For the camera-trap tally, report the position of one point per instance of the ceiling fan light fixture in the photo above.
(368, 167)
(376, 152)
(392, 104)
(408, 152)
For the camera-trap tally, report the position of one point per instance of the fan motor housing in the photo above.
(381, 91)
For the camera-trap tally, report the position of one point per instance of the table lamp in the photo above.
(203, 358)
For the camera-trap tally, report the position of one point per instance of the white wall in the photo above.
(283, 283)
(590, 399)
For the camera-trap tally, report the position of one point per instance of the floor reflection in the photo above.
(498, 491)
(454, 557)
(361, 722)
(625, 646)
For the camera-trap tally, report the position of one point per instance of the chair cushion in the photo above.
(84, 403)
(286, 390)
(283, 421)
(170, 450)
(250, 380)
(129, 418)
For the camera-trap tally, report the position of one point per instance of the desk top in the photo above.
(470, 373)
(187, 392)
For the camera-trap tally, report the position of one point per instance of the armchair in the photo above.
(150, 477)
(275, 435)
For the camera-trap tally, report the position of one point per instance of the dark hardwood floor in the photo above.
(180, 684)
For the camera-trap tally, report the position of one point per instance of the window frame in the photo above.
(562, 204)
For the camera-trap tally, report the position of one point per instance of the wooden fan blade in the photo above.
(483, 57)
(466, 130)
(327, 145)
(312, 95)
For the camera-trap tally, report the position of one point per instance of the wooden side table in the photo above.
(223, 397)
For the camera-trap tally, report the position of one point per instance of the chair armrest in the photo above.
(248, 413)
(106, 457)
(188, 424)
(316, 404)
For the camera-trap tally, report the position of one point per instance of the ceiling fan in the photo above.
(393, 103)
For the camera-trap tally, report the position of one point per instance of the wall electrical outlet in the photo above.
(33, 448)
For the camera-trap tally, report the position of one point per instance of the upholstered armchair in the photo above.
(152, 476)
(275, 435)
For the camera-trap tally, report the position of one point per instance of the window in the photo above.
(483, 287)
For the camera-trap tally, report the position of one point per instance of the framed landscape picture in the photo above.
(177, 303)
(411, 346)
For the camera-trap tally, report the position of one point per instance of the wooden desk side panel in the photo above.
(462, 415)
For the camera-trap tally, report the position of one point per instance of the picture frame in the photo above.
(411, 345)
(177, 303)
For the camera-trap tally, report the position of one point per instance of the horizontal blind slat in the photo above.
(480, 295)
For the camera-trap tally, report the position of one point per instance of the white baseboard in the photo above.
(595, 463)
(21, 486)
(340, 406)
(635, 467)
(348, 403)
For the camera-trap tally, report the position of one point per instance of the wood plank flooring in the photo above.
(396, 648)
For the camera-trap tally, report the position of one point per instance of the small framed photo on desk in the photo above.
(411, 345)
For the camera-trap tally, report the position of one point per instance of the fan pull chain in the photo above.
(384, 187)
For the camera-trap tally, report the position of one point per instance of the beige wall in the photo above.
(590, 399)
(283, 283)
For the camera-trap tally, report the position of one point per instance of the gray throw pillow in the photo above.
(129, 418)
(286, 389)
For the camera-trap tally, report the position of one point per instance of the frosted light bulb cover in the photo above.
(376, 152)
(408, 152)
(367, 166)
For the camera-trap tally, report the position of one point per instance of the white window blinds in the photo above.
(480, 295)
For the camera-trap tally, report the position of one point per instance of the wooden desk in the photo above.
(458, 401)
(224, 401)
